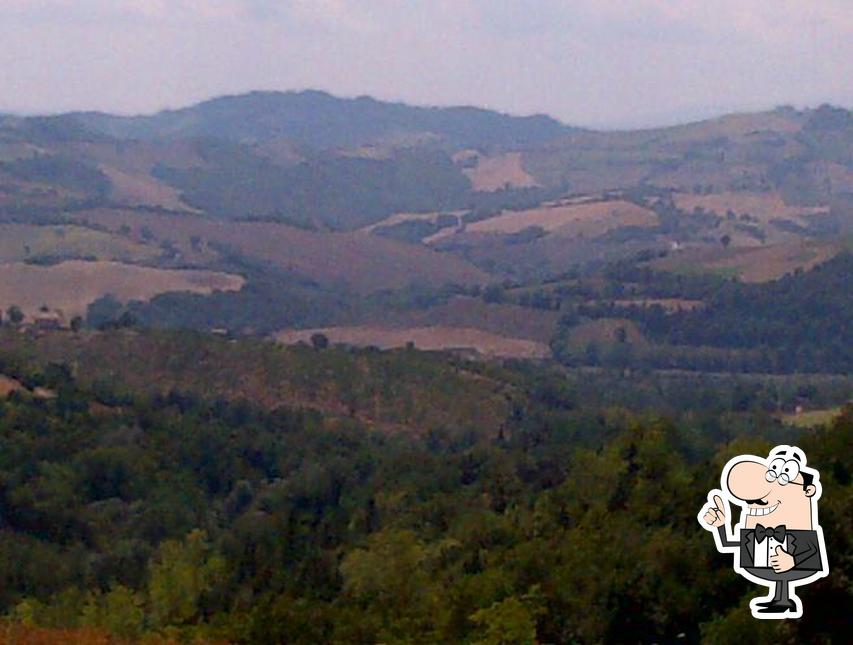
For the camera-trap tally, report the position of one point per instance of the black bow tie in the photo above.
(777, 533)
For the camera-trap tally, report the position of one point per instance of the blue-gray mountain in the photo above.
(319, 120)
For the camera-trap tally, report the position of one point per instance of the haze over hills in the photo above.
(267, 154)
(263, 380)
(320, 120)
(315, 201)
(452, 352)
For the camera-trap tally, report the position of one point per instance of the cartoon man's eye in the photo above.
(777, 464)
(792, 469)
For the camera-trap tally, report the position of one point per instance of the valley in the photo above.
(411, 323)
(283, 367)
(380, 239)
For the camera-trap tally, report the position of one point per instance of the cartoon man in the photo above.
(777, 542)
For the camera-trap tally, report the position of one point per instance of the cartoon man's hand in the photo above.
(782, 561)
(715, 516)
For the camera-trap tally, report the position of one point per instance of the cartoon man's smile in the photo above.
(757, 510)
(777, 541)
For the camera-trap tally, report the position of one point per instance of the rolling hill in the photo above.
(320, 120)
(356, 213)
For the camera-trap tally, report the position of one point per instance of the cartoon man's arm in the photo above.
(783, 561)
(724, 537)
(715, 518)
(805, 554)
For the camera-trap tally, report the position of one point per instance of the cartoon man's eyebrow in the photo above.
(782, 452)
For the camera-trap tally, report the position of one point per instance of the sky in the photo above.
(596, 63)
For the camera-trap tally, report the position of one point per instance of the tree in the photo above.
(319, 341)
(126, 320)
(15, 315)
(120, 612)
(508, 622)
(389, 580)
(591, 353)
(494, 294)
(103, 311)
(181, 574)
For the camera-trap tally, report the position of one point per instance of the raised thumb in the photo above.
(778, 549)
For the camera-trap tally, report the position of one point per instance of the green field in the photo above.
(812, 418)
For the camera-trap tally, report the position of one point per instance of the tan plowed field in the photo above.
(72, 286)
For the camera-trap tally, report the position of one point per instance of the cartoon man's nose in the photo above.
(747, 481)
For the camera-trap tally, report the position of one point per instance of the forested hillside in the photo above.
(201, 439)
(801, 322)
(353, 322)
(320, 120)
(342, 193)
(177, 515)
(357, 215)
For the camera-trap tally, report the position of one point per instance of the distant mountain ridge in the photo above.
(320, 120)
(316, 161)
(338, 211)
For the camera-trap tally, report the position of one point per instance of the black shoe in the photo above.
(767, 603)
(778, 608)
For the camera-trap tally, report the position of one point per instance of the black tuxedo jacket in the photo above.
(803, 545)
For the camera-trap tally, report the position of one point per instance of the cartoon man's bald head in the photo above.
(777, 490)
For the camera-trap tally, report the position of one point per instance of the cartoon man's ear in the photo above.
(810, 490)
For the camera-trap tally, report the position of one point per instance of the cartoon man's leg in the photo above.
(782, 592)
(781, 595)
(782, 600)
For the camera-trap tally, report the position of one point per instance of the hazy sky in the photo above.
(588, 62)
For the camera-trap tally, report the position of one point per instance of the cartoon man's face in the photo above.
(776, 491)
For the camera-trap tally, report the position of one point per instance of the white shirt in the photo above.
(765, 549)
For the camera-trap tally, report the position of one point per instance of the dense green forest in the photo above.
(347, 192)
(561, 519)
(60, 171)
(801, 322)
